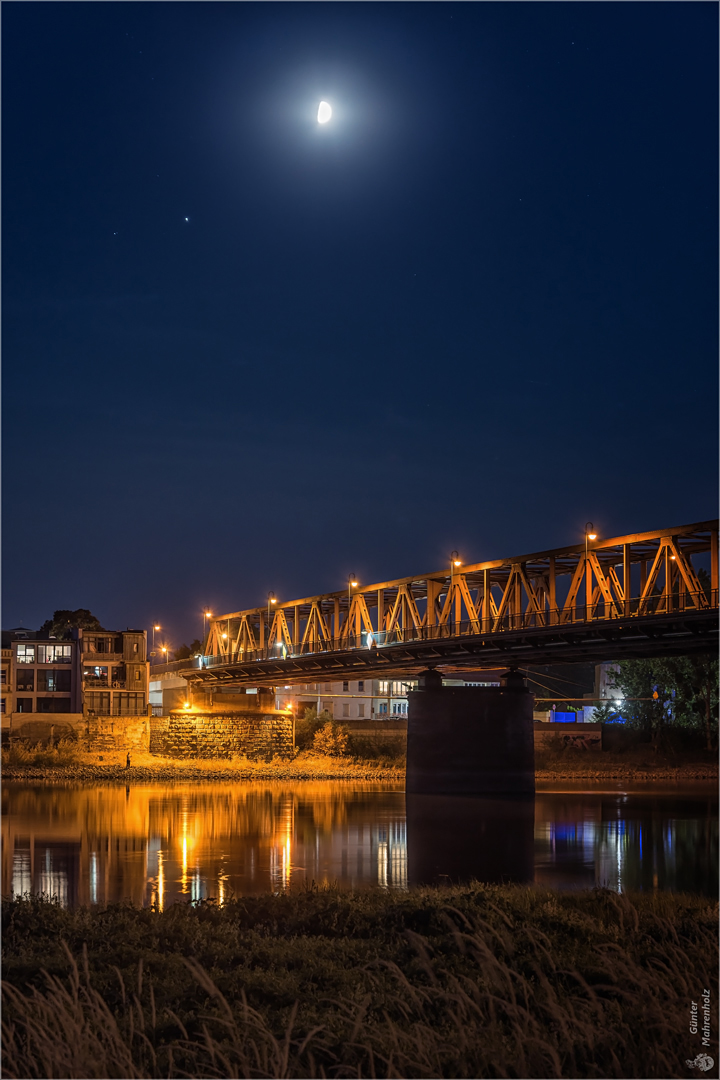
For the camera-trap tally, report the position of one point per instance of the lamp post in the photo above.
(590, 534)
(454, 561)
(352, 584)
(206, 615)
(163, 649)
(272, 599)
(156, 626)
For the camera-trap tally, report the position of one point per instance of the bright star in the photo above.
(187, 218)
(324, 112)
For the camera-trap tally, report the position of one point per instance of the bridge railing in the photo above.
(600, 612)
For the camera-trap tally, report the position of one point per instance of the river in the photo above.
(154, 844)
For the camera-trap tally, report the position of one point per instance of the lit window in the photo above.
(383, 687)
(25, 654)
(54, 654)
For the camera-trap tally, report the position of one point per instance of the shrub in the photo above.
(306, 728)
(23, 753)
(331, 740)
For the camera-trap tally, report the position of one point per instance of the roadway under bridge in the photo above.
(641, 595)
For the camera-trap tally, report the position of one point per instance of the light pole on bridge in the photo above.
(272, 599)
(590, 534)
(454, 561)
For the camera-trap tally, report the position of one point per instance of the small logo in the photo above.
(702, 1062)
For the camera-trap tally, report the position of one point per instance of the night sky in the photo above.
(245, 352)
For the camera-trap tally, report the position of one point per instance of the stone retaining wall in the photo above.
(205, 734)
(582, 736)
(91, 732)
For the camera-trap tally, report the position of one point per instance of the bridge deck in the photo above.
(637, 595)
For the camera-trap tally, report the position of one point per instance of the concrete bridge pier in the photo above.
(467, 740)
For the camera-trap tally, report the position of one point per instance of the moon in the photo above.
(324, 112)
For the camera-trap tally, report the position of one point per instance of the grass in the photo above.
(467, 981)
(24, 753)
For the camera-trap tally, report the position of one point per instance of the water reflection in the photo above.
(462, 837)
(158, 844)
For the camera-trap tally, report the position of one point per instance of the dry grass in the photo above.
(473, 981)
(26, 754)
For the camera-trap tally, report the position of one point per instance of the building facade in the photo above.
(103, 673)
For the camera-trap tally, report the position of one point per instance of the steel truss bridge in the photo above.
(629, 596)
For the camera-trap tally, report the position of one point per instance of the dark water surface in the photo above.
(160, 843)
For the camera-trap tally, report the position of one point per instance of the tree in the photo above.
(64, 622)
(306, 728)
(676, 693)
(693, 681)
(184, 652)
(606, 713)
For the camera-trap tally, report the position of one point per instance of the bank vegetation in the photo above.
(465, 981)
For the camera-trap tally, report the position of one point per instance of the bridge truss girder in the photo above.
(617, 590)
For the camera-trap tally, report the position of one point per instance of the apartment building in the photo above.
(102, 673)
(351, 699)
(113, 671)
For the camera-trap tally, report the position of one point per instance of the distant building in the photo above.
(101, 673)
(113, 671)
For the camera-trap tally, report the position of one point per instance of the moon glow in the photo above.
(324, 112)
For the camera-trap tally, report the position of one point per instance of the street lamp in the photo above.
(206, 615)
(163, 649)
(454, 561)
(272, 599)
(155, 627)
(590, 534)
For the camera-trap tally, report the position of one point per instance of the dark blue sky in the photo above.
(474, 311)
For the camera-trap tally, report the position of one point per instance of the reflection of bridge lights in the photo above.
(161, 882)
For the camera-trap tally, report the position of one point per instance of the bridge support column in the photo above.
(466, 740)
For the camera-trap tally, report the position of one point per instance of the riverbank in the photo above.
(110, 767)
(464, 981)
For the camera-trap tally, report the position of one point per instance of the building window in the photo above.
(135, 646)
(2, 705)
(98, 702)
(382, 707)
(98, 645)
(361, 710)
(53, 705)
(346, 687)
(96, 675)
(346, 710)
(328, 688)
(53, 681)
(23, 704)
(383, 686)
(128, 704)
(328, 706)
(3, 677)
(361, 687)
(25, 679)
(54, 654)
(138, 676)
(25, 654)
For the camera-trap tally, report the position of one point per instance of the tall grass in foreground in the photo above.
(466, 982)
